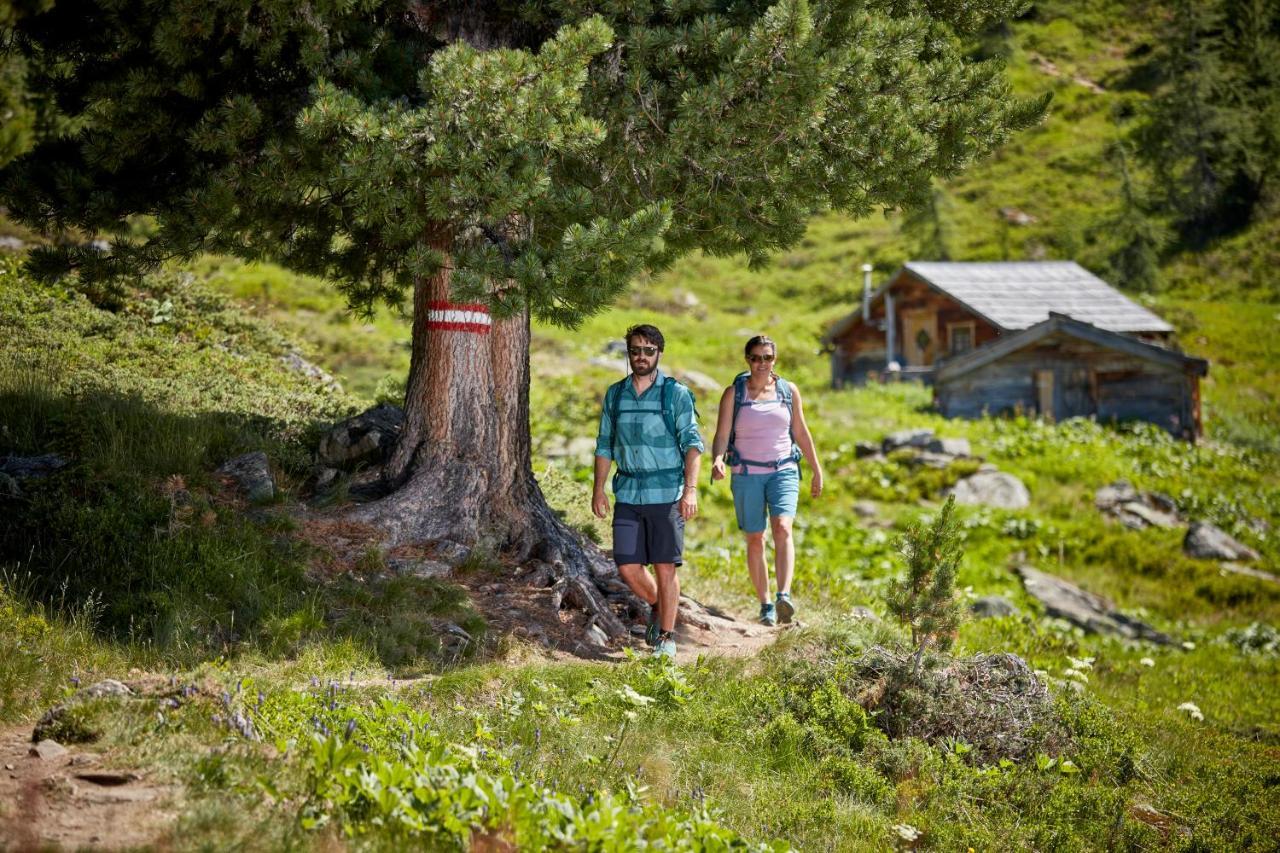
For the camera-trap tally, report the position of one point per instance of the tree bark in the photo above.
(462, 470)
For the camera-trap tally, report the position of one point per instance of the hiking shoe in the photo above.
(666, 646)
(768, 615)
(785, 608)
(652, 629)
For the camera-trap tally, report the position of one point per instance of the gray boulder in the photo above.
(11, 244)
(252, 473)
(995, 489)
(1138, 515)
(20, 468)
(579, 450)
(1115, 494)
(865, 509)
(919, 438)
(950, 446)
(1204, 541)
(699, 381)
(294, 361)
(989, 606)
(1091, 612)
(47, 750)
(863, 449)
(366, 439)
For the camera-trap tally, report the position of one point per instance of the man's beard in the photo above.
(653, 365)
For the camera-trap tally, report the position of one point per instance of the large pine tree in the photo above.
(500, 161)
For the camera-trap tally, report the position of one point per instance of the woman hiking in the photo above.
(761, 435)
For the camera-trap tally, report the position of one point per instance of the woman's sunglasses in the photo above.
(649, 351)
(766, 358)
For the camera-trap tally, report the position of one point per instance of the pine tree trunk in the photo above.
(462, 471)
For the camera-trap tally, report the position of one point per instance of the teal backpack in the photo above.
(732, 457)
(613, 402)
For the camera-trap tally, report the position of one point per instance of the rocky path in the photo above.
(58, 798)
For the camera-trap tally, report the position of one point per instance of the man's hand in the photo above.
(689, 503)
(600, 504)
(717, 469)
(815, 486)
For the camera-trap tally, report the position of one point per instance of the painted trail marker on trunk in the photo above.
(459, 317)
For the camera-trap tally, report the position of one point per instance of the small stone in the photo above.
(865, 509)
(597, 635)
(989, 606)
(295, 361)
(252, 473)
(11, 244)
(47, 750)
(106, 687)
(325, 478)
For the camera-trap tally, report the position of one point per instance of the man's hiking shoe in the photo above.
(786, 610)
(768, 615)
(666, 646)
(652, 629)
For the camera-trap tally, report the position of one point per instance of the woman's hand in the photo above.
(717, 469)
(815, 485)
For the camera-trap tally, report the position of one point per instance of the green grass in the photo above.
(146, 390)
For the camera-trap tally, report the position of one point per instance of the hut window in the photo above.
(960, 337)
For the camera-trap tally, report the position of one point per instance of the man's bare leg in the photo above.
(641, 582)
(668, 594)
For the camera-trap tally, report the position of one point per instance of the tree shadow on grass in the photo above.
(138, 532)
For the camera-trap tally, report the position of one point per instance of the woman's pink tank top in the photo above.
(763, 434)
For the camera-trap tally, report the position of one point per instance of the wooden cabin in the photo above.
(928, 312)
(1062, 367)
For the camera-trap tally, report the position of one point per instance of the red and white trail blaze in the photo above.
(459, 317)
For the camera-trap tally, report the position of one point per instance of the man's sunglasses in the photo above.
(766, 358)
(649, 351)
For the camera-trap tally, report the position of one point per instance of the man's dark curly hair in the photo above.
(648, 333)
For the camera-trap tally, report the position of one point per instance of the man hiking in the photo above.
(649, 426)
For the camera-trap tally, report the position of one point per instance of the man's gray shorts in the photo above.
(648, 533)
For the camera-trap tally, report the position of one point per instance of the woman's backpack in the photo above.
(739, 400)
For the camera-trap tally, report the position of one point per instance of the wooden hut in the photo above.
(930, 311)
(1062, 367)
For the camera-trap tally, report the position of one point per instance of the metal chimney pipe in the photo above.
(866, 292)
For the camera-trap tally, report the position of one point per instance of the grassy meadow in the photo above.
(297, 695)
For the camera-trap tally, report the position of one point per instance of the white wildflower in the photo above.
(1188, 645)
(1192, 709)
(906, 831)
(1076, 674)
(1081, 663)
(1147, 662)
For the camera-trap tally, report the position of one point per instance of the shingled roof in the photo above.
(1019, 294)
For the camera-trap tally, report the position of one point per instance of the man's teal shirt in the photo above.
(644, 444)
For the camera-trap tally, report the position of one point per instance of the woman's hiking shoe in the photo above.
(666, 646)
(786, 610)
(652, 629)
(768, 615)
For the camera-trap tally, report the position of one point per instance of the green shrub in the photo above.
(859, 781)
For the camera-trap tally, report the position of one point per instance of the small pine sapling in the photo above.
(924, 599)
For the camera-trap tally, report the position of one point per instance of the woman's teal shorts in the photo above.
(753, 493)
